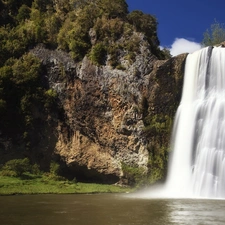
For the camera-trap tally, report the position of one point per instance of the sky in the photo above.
(182, 23)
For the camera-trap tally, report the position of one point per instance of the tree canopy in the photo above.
(66, 25)
(215, 35)
(93, 28)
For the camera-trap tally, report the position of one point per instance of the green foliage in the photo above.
(33, 184)
(11, 7)
(18, 176)
(157, 163)
(98, 54)
(50, 93)
(109, 29)
(23, 13)
(157, 129)
(166, 53)
(35, 169)
(50, 98)
(22, 95)
(16, 167)
(52, 26)
(42, 5)
(73, 36)
(11, 44)
(24, 77)
(134, 174)
(113, 9)
(215, 35)
(66, 25)
(78, 49)
(114, 52)
(145, 23)
(54, 168)
(157, 124)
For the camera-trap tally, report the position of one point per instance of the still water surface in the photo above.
(107, 209)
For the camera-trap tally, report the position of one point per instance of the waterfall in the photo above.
(197, 162)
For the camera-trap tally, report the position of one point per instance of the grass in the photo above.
(32, 184)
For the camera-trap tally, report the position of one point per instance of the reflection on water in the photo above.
(107, 209)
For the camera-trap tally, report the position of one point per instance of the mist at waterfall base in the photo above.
(197, 160)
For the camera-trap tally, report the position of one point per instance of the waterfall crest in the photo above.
(197, 163)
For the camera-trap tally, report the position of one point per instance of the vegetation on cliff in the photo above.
(101, 30)
(215, 35)
(79, 27)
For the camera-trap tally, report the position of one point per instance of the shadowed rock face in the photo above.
(108, 116)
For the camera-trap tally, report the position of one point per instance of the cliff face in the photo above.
(112, 117)
(103, 106)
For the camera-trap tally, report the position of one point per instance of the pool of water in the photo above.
(107, 209)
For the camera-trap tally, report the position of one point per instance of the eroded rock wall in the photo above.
(110, 116)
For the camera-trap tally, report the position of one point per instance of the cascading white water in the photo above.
(197, 166)
(197, 161)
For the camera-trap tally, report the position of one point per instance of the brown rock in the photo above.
(105, 121)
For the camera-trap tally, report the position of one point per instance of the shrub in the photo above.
(54, 168)
(145, 23)
(78, 48)
(98, 54)
(16, 167)
(36, 169)
(133, 174)
(157, 163)
(113, 9)
(215, 35)
(50, 98)
(111, 29)
(8, 173)
(23, 13)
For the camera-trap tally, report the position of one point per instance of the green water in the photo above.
(107, 209)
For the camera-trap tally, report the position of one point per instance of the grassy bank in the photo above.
(18, 176)
(30, 184)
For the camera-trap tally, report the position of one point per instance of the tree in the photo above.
(113, 9)
(166, 53)
(144, 23)
(215, 35)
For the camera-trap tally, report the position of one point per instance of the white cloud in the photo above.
(181, 45)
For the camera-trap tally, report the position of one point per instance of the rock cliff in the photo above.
(81, 84)
(112, 120)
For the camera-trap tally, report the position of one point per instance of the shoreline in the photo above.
(45, 185)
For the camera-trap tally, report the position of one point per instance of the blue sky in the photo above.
(182, 22)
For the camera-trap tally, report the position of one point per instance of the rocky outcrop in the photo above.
(112, 117)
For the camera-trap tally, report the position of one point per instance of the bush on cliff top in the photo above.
(215, 35)
(66, 25)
